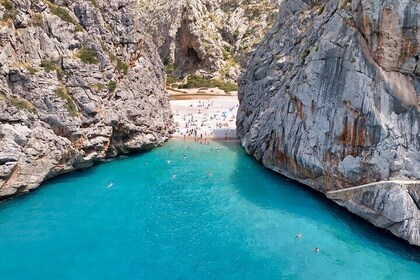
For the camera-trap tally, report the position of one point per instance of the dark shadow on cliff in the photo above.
(269, 196)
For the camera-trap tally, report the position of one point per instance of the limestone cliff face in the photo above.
(331, 99)
(213, 38)
(79, 82)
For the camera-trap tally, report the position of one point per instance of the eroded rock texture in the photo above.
(79, 82)
(331, 99)
(213, 38)
(390, 205)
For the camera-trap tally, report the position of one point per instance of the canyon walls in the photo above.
(80, 81)
(331, 98)
(211, 38)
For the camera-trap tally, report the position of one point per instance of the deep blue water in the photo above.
(215, 214)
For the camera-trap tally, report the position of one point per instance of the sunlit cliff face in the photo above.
(391, 33)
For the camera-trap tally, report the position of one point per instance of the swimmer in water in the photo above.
(168, 162)
(173, 176)
(316, 250)
(299, 235)
(110, 185)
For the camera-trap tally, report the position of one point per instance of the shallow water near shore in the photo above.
(190, 211)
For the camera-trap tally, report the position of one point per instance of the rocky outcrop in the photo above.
(393, 205)
(79, 82)
(212, 38)
(331, 99)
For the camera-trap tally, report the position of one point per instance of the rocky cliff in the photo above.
(79, 82)
(331, 99)
(212, 38)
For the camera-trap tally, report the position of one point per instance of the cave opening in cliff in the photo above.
(189, 61)
(192, 56)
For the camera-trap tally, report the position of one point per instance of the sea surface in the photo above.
(190, 211)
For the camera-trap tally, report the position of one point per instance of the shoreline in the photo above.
(205, 115)
(215, 139)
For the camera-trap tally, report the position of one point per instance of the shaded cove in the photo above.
(190, 211)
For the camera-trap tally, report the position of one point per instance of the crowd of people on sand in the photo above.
(206, 122)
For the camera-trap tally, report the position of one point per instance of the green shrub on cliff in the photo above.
(61, 13)
(49, 65)
(169, 68)
(194, 81)
(112, 86)
(9, 9)
(7, 4)
(64, 95)
(88, 56)
(122, 67)
(23, 104)
(31, 70)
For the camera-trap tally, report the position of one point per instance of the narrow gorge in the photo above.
(208, 97)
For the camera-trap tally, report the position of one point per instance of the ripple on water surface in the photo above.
(189, 211)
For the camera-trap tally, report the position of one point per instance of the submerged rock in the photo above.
(79, 82)
(331, 99)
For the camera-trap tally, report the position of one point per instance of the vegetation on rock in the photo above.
(194, 81)
(122, 67)
(112, 86)
(64, 95)
(22, 104)
(88, 56)
(61, 13)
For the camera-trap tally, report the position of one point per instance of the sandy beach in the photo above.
(205, 114)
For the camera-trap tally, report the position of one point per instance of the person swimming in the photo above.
(316, 250)
(299, 235)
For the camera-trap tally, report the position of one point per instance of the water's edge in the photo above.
(187, 210)
(316, 194)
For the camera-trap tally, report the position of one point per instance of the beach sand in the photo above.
(205, 114)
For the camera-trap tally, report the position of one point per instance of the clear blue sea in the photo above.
(190, 211)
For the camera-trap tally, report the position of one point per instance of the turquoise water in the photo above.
(215, 214)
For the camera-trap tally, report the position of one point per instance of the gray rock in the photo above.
(73, 86)
(389, 205)
(331, 98)
(206, 37)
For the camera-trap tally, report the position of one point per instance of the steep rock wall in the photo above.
(212, 38)
(331, 99)
(79, 82)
